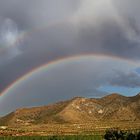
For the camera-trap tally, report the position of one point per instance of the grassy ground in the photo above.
(94, 129)
(78, 137)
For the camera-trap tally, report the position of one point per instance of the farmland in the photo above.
(96, 128)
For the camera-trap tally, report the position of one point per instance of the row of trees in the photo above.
(114, 134)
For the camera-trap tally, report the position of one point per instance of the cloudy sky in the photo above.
(92, 48)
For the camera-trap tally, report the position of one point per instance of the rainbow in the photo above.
(54, 63)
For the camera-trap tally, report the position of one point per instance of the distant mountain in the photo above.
(113, 107)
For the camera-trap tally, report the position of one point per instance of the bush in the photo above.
(115, 134)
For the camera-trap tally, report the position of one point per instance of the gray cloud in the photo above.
(77, 26)
(131, 79)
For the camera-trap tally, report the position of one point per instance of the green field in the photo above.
(93, 137)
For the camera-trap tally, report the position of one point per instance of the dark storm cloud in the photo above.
(102, 27)
(131, 79)
(109, 34)
(29, 13)
(108, 39)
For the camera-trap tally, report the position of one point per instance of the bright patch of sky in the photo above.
(122, 90)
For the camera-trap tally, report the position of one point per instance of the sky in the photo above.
(71, 48)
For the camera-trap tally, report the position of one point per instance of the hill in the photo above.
(113, 107)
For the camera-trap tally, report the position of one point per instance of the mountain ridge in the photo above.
(113, 107)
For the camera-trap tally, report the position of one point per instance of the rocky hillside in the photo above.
(79, 110)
